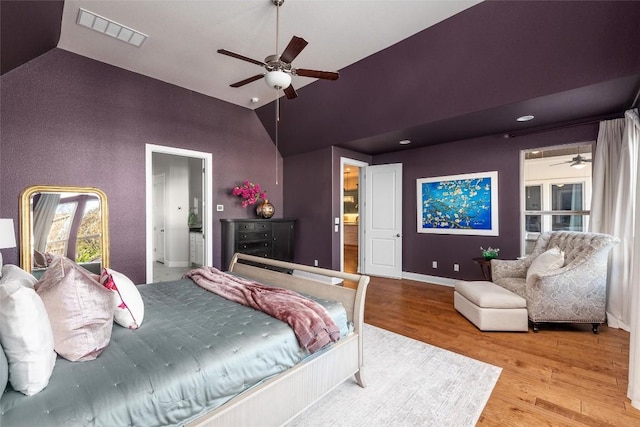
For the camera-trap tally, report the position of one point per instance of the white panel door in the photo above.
(383, 220)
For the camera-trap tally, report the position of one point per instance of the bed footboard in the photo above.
(284, 396)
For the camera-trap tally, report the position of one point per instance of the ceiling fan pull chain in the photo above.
(277, 120)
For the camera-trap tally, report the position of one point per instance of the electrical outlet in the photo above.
(456, 267)
(219, 208)
(315, 262)
(434, 264)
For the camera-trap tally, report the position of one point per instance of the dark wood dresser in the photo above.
(269, 238)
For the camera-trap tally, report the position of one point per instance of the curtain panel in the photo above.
(632, 138)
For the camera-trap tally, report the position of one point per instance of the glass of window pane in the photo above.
(533, 223)
(566, 197)
(533, 201)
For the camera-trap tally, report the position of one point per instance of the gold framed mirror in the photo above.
(64, 220)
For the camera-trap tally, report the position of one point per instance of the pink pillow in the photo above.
(80, 310)
(129, 307)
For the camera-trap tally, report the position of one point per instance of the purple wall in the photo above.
(492, 153)
(312, 184)
(308, 193)
(69, 120)
(312, 194)
(28, 29)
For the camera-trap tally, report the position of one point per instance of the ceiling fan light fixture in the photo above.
(525, 118)
(277, 79)
(578, 165)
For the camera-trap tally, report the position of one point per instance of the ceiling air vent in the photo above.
(110, 28)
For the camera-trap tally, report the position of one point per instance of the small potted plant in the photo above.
(489, 253)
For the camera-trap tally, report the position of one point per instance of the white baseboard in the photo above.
(444, 281)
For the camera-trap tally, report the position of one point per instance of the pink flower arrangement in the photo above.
(250, 193)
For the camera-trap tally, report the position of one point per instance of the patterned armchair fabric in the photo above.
(574, 293)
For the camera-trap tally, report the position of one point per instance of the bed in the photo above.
(172, 361)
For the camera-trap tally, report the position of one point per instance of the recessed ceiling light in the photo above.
(525, 118)
(405, 142)
(110, 28)
(255, 100)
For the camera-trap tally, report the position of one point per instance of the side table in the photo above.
(485, 267)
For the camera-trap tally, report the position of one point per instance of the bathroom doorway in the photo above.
(179, 219)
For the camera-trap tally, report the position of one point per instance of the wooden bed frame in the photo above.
(284, 396)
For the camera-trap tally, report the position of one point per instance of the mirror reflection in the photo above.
(68, 221)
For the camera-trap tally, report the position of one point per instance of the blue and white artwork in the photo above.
(459, 204)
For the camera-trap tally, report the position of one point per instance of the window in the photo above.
(567, 197)
(58, 239)
(88, 244)
(556, 191)
(76, 229)
(533, 202)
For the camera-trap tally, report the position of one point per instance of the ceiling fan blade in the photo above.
(247, 81)
(290, 92)
(326, 75)
(293, 49)
(241, 57)
(562, 163)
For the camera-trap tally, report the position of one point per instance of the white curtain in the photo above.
(615, 209)
(43, 214)
(632, 137)
(615, 174)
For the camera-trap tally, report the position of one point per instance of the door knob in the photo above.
(398, 235)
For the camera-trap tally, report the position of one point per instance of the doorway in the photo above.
(371, 206)
(351, 218)
(179, 218)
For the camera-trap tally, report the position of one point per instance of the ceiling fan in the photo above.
(577, 162)
(278, 67)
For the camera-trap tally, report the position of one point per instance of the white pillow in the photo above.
(546, 261)
(13, 273)
(129, 307)
(26, 337)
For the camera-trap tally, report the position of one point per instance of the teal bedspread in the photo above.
(193, 352)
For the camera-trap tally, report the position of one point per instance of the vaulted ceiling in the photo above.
(427, 71)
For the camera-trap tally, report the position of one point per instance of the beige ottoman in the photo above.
(491, 307)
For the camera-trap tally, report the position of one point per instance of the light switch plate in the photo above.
(336, 221)
(219, 208)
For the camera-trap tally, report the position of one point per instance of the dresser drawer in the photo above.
(244, 246)
(251, 226)
(244, 236)
(263, 249)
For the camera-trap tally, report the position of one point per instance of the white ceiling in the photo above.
(184, 36)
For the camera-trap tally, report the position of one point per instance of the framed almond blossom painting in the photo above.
(458, 204)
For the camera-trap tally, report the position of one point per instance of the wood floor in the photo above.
(563, 375)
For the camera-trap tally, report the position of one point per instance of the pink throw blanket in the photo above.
(310, 321)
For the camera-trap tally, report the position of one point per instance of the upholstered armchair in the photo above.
(572, 290)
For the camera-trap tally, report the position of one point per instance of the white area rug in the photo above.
(409, 383)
